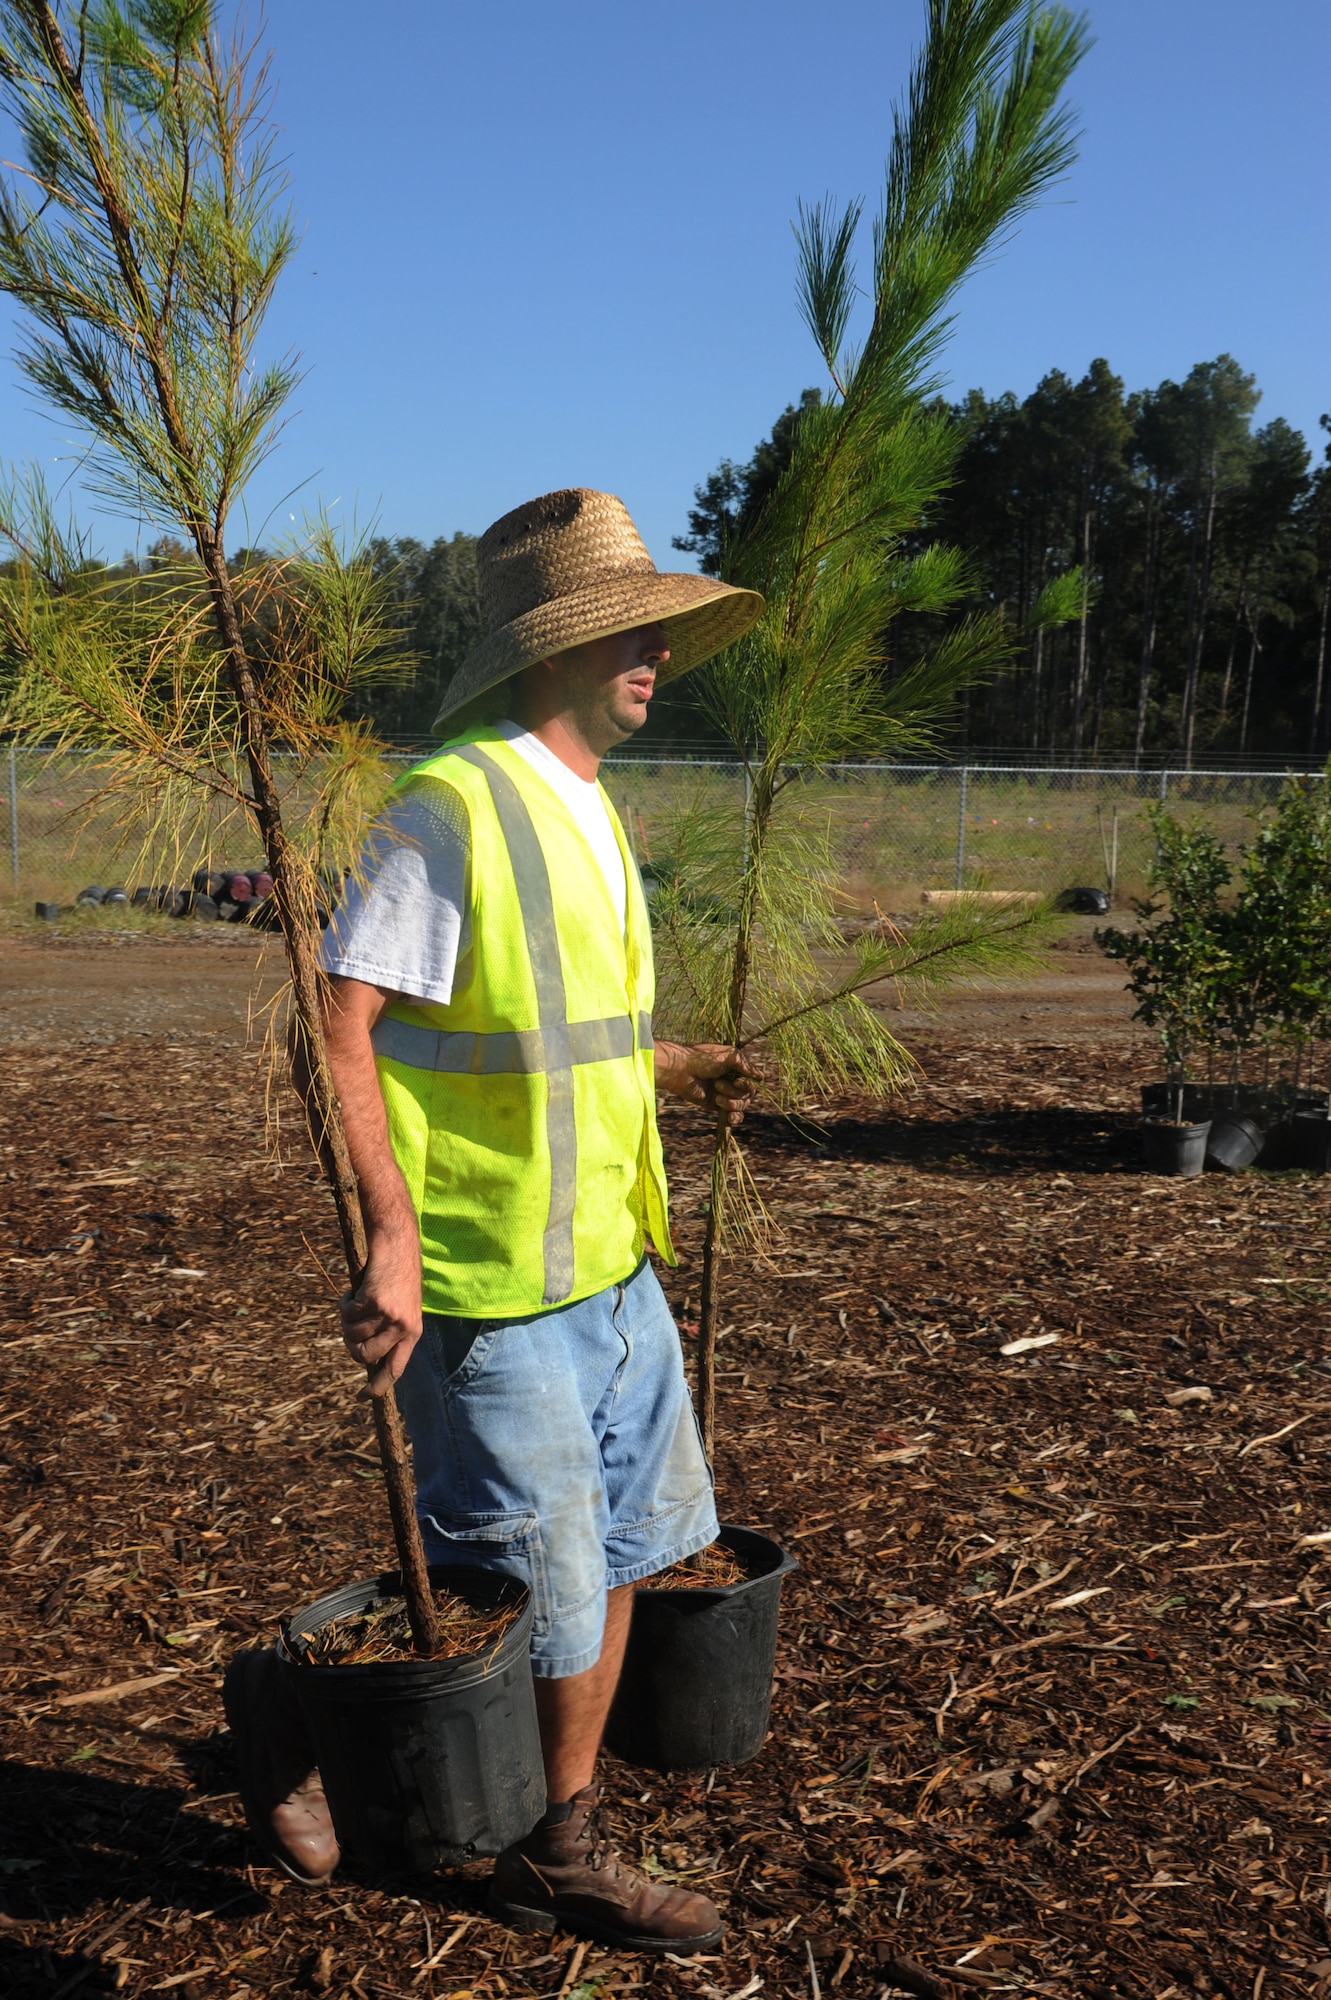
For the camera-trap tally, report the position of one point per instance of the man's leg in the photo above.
(280, 1788)
(564, 1875)
(509, 1422)
(572, 1711)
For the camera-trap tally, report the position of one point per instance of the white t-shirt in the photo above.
(405, 921)
(586, 804)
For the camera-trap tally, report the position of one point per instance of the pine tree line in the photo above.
(1204, 542)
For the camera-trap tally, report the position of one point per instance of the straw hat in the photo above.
(571, 567)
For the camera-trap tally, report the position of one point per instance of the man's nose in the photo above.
(654, 645)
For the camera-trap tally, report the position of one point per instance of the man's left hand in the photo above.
(706, 1073)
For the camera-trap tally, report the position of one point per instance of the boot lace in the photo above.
(601, 1854)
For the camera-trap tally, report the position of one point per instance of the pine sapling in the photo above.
(142, 241)
(752, 942)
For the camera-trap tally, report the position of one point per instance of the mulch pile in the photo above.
(1050, 1440)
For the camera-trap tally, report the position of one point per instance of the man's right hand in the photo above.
(381, 1319)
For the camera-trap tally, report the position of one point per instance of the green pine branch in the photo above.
(748, 929)
(141, 238)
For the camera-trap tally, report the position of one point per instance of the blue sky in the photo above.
(549, 245)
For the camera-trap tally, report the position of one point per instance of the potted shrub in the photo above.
(749, 916)
(1178, 962)
(1286, 898)
(1244, 983)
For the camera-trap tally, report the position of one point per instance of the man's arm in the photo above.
(381, 1319)
(706, 1073)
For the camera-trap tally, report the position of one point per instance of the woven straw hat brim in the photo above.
(701, 617)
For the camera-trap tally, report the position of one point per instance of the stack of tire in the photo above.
(225, 895)
(233, 896)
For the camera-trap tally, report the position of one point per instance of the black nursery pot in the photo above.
(1174, 1149)
(425, 1762)
(1213, 1100)
(1312, 1141)
(696, 1689)
(1233, 1143)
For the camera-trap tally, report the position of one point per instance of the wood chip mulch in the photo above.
(1049, 1438)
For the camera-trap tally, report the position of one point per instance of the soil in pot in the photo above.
(1174, 1149)
(696, 1690)
(425, 1763)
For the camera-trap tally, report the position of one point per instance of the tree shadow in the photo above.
(74, 1841)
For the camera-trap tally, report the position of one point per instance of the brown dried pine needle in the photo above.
(381, 1633)
(876, 1202)
(711, 1569)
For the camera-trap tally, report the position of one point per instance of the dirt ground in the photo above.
(185, 980)
(1040, 1726)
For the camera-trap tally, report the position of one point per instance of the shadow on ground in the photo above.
(984, 1143)
(107, 1841)
(104, 1840)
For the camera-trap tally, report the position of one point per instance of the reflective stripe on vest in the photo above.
(538, 921)
(512, 1051)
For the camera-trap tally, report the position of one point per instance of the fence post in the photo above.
(961, 831)
(1164, 785)
(13, 812)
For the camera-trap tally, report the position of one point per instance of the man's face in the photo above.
(605, 685)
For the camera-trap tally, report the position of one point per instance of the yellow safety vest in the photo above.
(523, 1113)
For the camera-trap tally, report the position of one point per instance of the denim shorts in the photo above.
(562, 1449)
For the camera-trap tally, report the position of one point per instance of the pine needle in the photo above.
(381, 1633)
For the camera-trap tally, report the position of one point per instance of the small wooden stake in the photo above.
(406, 1528)
(709, 1310)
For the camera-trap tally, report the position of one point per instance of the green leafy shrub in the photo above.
(1178, 962)
(1229, 966)
(1282, 927)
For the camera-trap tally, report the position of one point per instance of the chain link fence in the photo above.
(67, 831)
(895, 829)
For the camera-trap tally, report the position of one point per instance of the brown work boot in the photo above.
(563, 1876)
(280, 1787)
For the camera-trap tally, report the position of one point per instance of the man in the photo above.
(489, 1033)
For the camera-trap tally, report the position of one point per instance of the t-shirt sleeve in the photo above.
(403, 923)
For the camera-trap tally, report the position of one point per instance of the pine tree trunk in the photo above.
(709, 1310)
(757, 812)
(1197, 623)
(1253, 650)
(1098, 705)
(1079, 689)
(300, 930)
(1320, 684)
(1149, 613)
(1227, 684)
